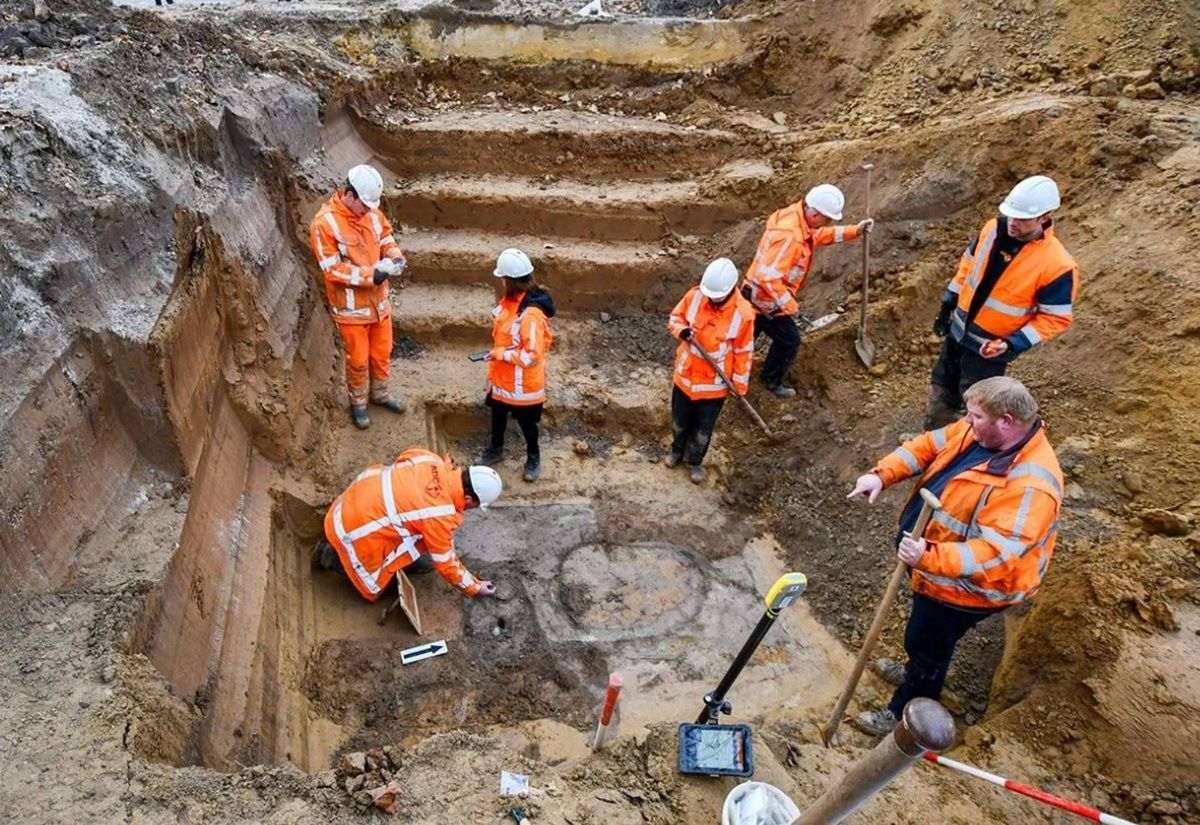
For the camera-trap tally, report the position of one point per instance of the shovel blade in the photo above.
(866, 350)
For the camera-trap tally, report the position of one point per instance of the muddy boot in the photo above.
(492, 455)
(890, 671)
(780, 391)
(696, 473)
(673, 459)
(938, 412)
(876, 722)
(396, 405)
(358, 414)
(423, 565)
(533, 468)
(324, 557)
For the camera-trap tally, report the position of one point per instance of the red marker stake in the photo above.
(1033, 793)
(606, 710)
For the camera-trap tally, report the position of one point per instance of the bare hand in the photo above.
(865, 226)
(868, 485)
(486, 590)
(994, 348)
(910, 550)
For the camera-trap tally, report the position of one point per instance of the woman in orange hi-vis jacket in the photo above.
(716, 318)
(354, 246)
(521, 338)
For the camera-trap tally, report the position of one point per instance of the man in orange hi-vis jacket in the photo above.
(780, 267)
(718, 320)
(1015, 287)
(353, 242)
(989, 546)
(404, 515)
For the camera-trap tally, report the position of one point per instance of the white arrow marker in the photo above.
(416, 654)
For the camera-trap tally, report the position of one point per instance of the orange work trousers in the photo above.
(368, 355)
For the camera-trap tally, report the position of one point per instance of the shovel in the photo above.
(753, 413)
(863, 345)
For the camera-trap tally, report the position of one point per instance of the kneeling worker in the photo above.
(987, 548)
(402, 514)
(715, 317)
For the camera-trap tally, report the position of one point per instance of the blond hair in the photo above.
(1000, 396)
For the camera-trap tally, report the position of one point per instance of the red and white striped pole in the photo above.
(606, 710)
(1033, 793)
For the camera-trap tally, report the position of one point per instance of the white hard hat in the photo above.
(486, 483)
(826, 199)
(1031, 198)
(513, 263)
(719, 279)
(367, 183)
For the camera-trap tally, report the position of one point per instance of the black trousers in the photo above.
(785, 337)
(932, 632)
(527, 417)
(957, 368)
(693, 423)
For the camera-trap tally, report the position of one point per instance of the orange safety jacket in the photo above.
(391, 514)
(1033, 301)
(784, 257)
(990, 544)
(725, 332)
(347, 249)
(521, 337)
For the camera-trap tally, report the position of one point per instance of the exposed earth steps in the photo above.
(581, 144)
(603, 238)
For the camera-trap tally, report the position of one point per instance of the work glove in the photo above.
(941, 324)
(869, 486)
(486, 590)
(865, 226)
(910, 550)
(686, 334)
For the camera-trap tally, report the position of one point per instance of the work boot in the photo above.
(324, 557)
(673, 459)
(780, 391)
(533, 467)
(492, 455)
(358, 414)
(876, 722)
(937, 412)
(890, 671)
(396, 405)
(696, 473)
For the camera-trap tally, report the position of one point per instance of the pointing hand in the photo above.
(868, 485)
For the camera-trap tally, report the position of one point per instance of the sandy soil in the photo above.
(171, 386)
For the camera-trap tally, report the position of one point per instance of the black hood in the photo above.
(539, 298)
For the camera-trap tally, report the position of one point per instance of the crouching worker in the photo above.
(989, 546)
(404, 515)
(716, 318)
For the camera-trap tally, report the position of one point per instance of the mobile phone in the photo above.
(478, 356)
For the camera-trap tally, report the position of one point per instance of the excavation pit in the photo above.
(323, 676)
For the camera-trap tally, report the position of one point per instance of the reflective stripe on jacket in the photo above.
(1033, 300)
(520, 341)
(347, 249)
(725, 332)
(991, 543)
(784, 257)
(390, 514)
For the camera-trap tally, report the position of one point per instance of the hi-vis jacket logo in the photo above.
(434, 487)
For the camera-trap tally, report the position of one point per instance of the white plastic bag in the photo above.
(757, 803)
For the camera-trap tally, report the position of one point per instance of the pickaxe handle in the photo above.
(741, 398)
(929, 503)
